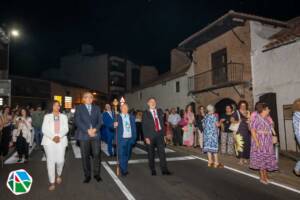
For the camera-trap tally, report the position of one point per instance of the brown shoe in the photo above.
(218, 165)
(210, 164)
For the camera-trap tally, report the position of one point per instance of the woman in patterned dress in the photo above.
(188, 129)
(243, 135)
(262, 155)
(211, 135)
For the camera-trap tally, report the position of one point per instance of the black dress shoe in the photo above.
(98, 178)
(153, 173)
(124, 174)
(166, 173)
(87, 179)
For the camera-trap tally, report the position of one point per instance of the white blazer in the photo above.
(49, 133)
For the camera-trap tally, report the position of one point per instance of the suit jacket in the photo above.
(120, 129)
(49, 133)
(84, 121)
(149, 124)
(108, 125)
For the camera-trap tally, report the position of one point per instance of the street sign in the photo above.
(5, 88)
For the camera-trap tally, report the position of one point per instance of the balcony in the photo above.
(230, 75)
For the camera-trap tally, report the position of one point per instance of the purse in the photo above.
(274, 137)
(234, 127)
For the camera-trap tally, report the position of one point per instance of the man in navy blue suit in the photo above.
(108, 129)
(126, 130)
(88, 120)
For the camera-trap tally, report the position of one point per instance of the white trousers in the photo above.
(55, 155)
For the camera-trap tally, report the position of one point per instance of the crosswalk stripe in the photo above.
(156, 160)
(139, 151)
(104, 148)
(76, 150)
(13, 159)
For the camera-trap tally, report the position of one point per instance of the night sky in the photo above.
(144, 31)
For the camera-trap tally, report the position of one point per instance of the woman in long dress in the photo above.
(243, 135)
(211, 136)
(188, 129)
(55, 128)
(262, 156)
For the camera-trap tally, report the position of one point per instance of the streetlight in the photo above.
(13, 33)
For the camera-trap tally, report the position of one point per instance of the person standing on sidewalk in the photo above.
(296, 124)
(199, 124)
(174, 119)
(55, 128)
(37, 121)
(211, 137)
(189, 128)
(153, 129)
(262, 155)
(226, 134)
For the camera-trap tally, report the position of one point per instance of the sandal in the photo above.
(210, 164)
(218, 165)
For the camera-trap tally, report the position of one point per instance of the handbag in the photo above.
(234, 127)
(274, 137)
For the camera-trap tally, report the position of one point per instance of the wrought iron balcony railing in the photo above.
(232, 73)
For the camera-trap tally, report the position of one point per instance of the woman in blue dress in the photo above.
(211, 135)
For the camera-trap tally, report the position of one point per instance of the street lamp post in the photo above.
(12, 33)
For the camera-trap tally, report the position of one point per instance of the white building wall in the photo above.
(277, 71)
(166, 95)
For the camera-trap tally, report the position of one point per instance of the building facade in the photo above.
(231, 64)
(101, 72)
(29, 91)
(170, 89)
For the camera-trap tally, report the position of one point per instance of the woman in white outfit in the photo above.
(55, 128)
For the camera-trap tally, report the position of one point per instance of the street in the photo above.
(192, 179)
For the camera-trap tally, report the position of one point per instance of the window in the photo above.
(140, 96)
(177, 86)
(1, 101)
(135, 77)
(68, 102)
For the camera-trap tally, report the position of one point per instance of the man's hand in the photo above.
(92, 132)
(147, 140)
(116, 124)
(56, 139)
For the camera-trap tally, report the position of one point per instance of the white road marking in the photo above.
(156, 160)
(139, 151)
(122, 187)
(13, 159)
(167, 150)
(76, 150)
(44, 158)
(254, 176)
(104, 148)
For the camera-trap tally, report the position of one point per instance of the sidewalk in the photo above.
(284, 176)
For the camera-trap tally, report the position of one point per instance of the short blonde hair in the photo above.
(296, 105)
(87, 93)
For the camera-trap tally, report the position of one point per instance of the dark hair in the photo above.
(50, 105)
(261, 107)
(187, 106)
(151, 98)
(243, 102)
(26, 111)
(231, 107)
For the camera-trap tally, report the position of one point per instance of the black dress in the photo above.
(243, 137)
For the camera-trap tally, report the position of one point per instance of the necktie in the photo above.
(156, 121)
(89, 109)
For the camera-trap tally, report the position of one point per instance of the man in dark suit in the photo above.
(88, 120)
(153, 129)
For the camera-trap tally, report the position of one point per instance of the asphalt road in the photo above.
(192, 179)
